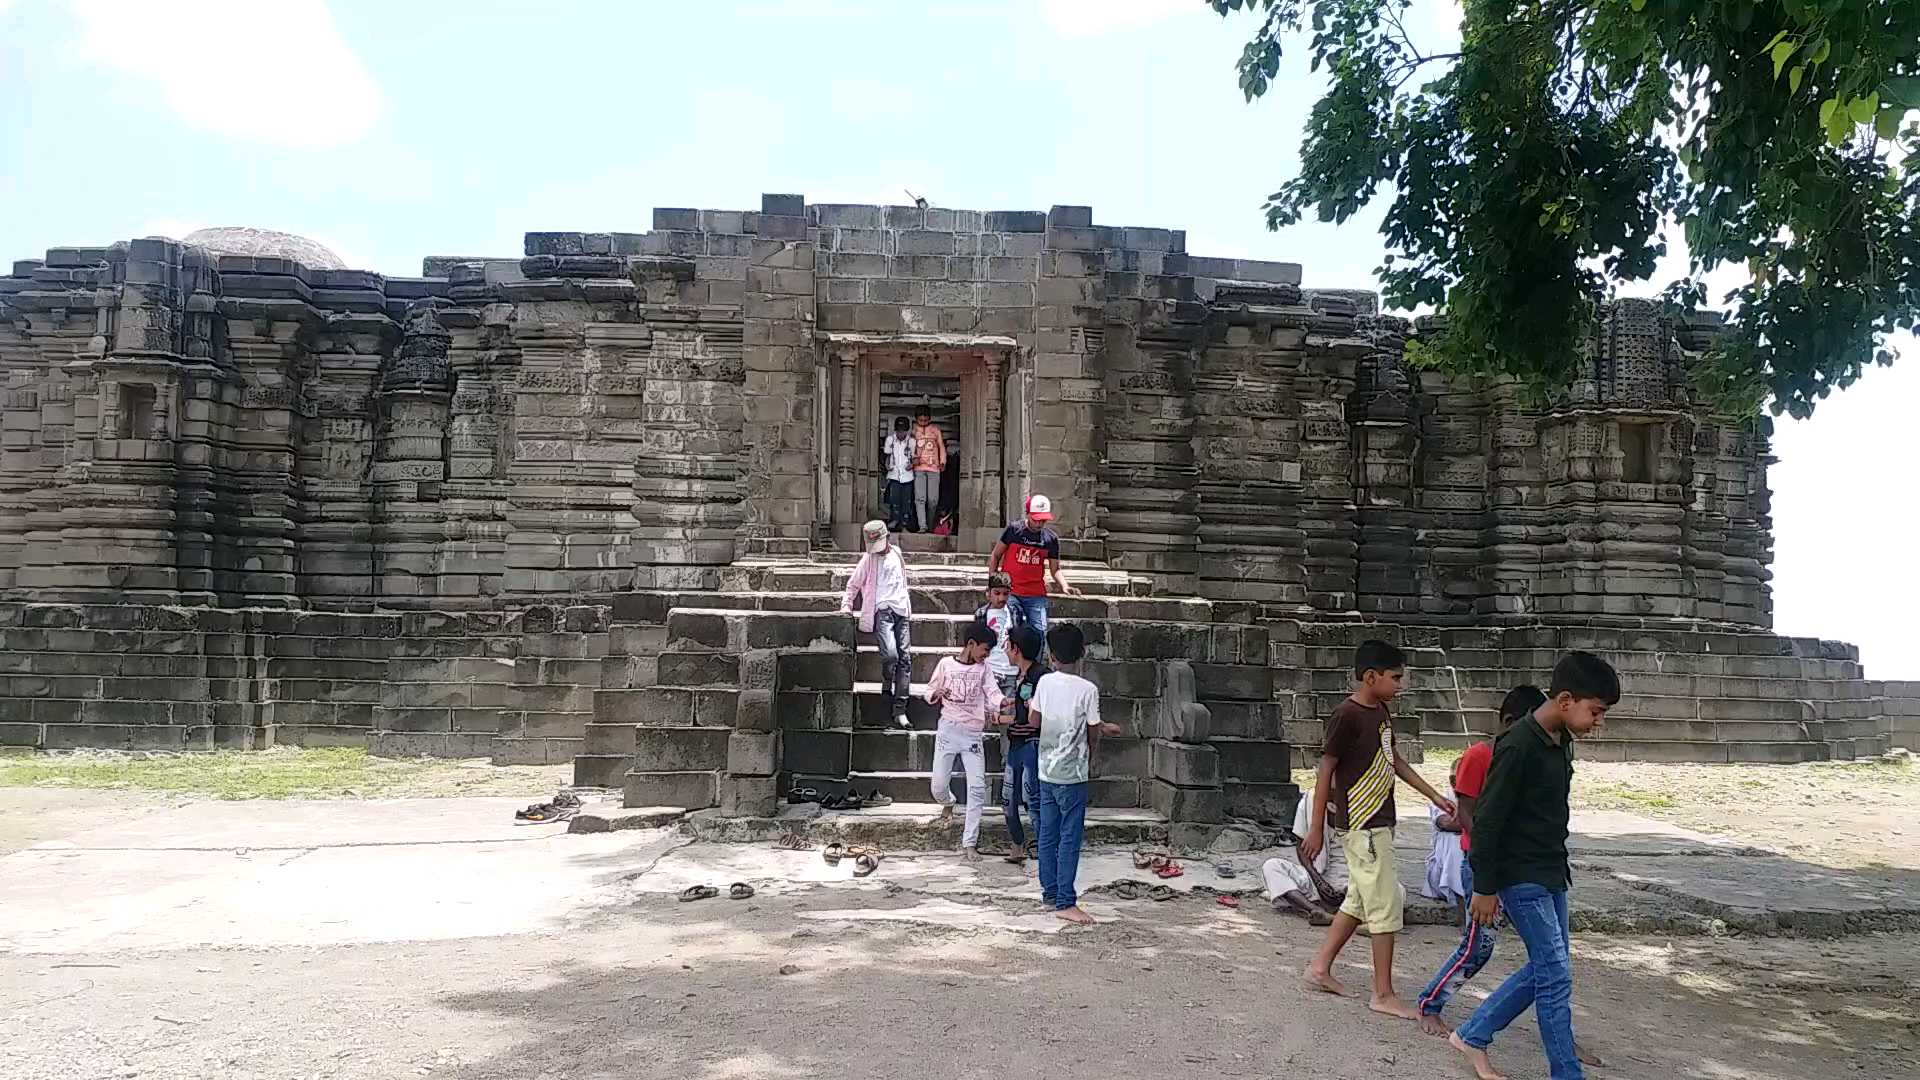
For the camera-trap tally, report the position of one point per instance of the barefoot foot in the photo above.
(1075, 915)
(1392, 1005)
(1588, 1057)
(970, 854)
(1477, 1058)
(1324, 982)
(1433, 1025)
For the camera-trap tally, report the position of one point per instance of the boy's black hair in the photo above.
(999, 580)
(1374, 655)
(899, 422)
(1066, 643)
(1585, 675)
(982, 634)
(1520, 701)
(1027, 640)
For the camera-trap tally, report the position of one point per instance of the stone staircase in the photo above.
(734, 696)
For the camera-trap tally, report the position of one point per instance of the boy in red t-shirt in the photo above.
(1028, 552)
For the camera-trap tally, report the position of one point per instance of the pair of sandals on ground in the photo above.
(1165, 867)
(865, 859)
(561, 807)
(846, 800)
(739, 890)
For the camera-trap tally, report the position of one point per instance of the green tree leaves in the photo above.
(1531, 173)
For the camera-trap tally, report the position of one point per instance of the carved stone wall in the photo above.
(613, 413)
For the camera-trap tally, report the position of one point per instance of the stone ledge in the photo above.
(611, 817)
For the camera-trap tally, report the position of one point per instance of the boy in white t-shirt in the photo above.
(1000, 616)
(1067, 708)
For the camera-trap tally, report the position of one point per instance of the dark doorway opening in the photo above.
(902, 396)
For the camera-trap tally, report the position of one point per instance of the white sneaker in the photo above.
(900, 718)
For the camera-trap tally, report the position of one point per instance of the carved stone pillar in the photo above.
(410, 463)
(847, 507)
(994, 512)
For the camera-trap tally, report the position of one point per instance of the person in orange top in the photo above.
(929, 461)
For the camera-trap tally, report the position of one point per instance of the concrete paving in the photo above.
(268, 874)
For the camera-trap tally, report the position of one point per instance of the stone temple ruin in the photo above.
(595, 504)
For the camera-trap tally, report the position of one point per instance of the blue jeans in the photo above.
(1016, 786)
(1032, 610)
(1476, 948)
(895, 635)
(1060, 817)
(900, 502)
(1546, 982)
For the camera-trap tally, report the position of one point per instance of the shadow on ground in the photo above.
(1156, 990)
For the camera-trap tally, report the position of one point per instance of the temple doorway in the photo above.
(963, 382)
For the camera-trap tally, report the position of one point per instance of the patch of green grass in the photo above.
(281, 773)
(1616, 797)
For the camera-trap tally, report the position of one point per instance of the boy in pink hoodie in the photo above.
(969, 696)
(879, 581)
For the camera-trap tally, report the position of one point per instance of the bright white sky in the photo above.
(390, 132)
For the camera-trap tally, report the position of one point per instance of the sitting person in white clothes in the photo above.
(1443, 854)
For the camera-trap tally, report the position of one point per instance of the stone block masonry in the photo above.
(506, 508)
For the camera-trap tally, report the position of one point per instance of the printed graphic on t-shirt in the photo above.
(1375, 786)
(929, 444)
(1068, 705)
(1028, 552)
(1000, 621)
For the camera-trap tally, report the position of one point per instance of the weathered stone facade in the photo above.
(246, 500)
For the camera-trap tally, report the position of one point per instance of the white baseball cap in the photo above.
(1039, 508)
(875, 534)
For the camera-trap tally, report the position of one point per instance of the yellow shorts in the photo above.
(1374, 896)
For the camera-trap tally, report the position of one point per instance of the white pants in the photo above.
(1284, 874)
(968, 746)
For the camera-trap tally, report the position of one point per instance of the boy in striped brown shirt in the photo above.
(1355, 789)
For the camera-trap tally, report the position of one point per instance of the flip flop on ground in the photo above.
(698, 892)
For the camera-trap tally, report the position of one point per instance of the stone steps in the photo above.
(651, 607)
(1104, 792)
(914, 825)
(775, 625)
(803, 577)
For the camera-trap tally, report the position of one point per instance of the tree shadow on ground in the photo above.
(658, 988)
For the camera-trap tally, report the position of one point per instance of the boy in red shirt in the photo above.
(1476, 941)
(1028, 552)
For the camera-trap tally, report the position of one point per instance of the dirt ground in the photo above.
(826, 980)
(671, 990)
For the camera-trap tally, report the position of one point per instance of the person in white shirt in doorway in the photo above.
(886, 611)
(897, 452)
